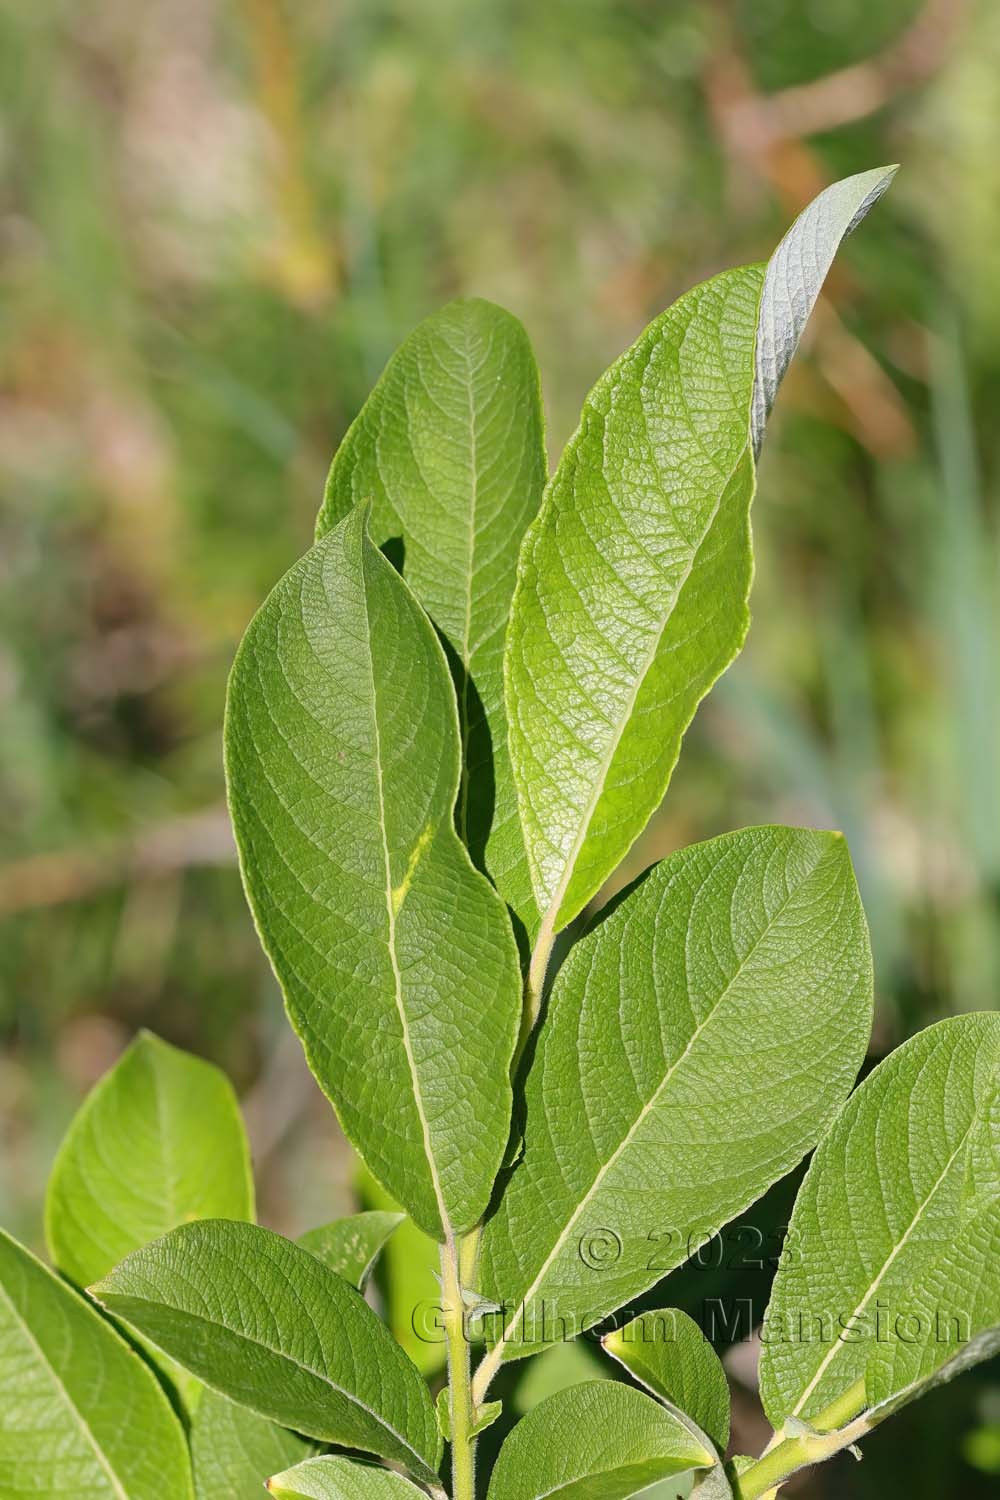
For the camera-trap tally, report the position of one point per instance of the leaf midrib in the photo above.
(653, 1102)
(61, 1387)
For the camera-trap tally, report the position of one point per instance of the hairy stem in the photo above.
(463, 1443)
(827, 1435)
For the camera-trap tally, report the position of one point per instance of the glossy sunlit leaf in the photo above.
(669, 1354)
(450, 450)
(81, 1413)
(264, 1322)
(633, 580)
(233, 1450)
(341, 1479)
(133, 1165)
(676, 1072)
(600, 1441)
(892, 1274)
(397, 958)
(351, 1246)
(134, 1162)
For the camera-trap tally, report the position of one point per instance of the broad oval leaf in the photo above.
(450, 448)
(633, 580)
(233, 1450)
(396, 957)
(272, 1328)
(81, 1412)
(669, 1354)
(892, 1273)
(675, 1076)
(134, 1162)
(599, 1441)
(351, 1246)
(341, 1479)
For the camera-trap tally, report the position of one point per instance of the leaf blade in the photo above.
(340, 1479)
(598, 1441)
(669, 1354)
(396, 957)
(921, 1136)
(606, 1200)
(634, 577)
(352, 1245)
(82, 1409)
(602, 575)
(233, 1450)
(133, 1164)
(450, 449)
(268, 1325)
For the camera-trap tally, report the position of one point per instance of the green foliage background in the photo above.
(220, 216)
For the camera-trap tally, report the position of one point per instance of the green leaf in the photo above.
(669, 1354)
(408, 1282)
(133, 1165)
(351, 1246)
(599, 1441)
(233, 1450)
(397, 958)
(81, 1412)
(892, 1270)
(450, 449)
(556, 1369)
(676, 1072)
(633, 580)
(272, 1328)
(134, 1162)
(340, 1479)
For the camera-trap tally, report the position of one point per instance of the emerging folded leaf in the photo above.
(677, 1075)
(341, 1479)
(669, 1354)
(450, 449)
(268, 1325)
(892, 1274)
(633, 580)
(351, 1246)
(600, 1441)
(134, 1162)
(233, 1450)
(81, 1413)
(396, 957)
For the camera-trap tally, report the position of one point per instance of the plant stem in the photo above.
(463, 1443)
(810, 1447)
(534, 984)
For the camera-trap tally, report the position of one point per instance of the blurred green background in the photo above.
(218, 217)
